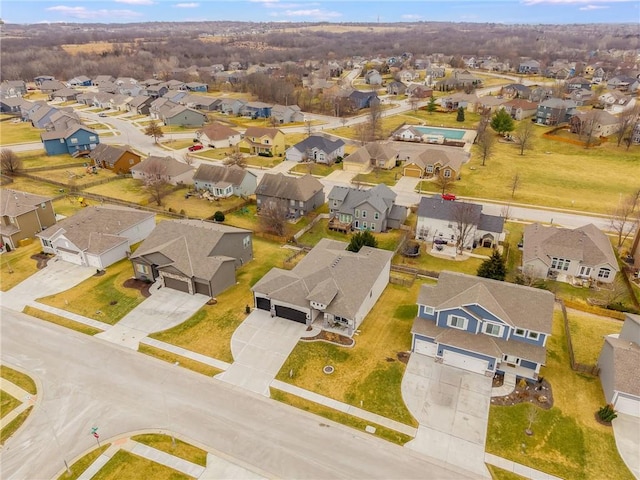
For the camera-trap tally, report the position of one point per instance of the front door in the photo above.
(585, 272)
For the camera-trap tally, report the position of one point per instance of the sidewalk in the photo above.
(19, 394)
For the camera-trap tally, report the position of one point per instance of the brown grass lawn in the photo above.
(127, 189)
(127, 466)
(567, 440)
(264, 162)
(76, 175)
(387, 240)
(81, 465)
(198, 207)
(587, 334)
(184, 362)
(244, 218)
(20, 132)
(173, 447)
(439, 119)
(429, 262)
(388, 177)
(17, 265)
(38, 158)
(317, 169)
(369, 372)
(209, 331)
(33, 186)
(62, 321)
(93, 298)
(216, 153)
(176, 144)
(18, 378)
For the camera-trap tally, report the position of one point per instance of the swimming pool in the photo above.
(448, 133)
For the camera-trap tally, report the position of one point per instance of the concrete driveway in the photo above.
(260, 346)
(452, 407)
(165, 308)
(626, 429)
(56, 277)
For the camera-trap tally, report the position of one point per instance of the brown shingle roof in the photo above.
(15, 203)
(291, 188)
(232, 175)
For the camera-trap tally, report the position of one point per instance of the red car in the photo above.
(193, 148)
(448, 196)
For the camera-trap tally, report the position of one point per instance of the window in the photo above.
(492, 329)
(301, 203)
(373, 226)
(141, 268)
(364, 214)
(74, 141)
(43, 205)
(533, 335)
(292, 202)
(131, 161)
(364, 225)
(428, 310)
(604, 273)
(447, 173)
(429, 168)
(457, 322)
(376, 216)
(560, 263)
(92, 138)
(357, 213)
(519, 332)
(246, 241)
(46, 243)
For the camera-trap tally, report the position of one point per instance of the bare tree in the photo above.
(236, 158)
(532, 416)
(375, 121)
(626, 217)
(486, 144)
(414, 102)
(273, 219)
(9, 161)
(514, 184)
(464, 217)
(156, 182)
(627, 121)
(525, 136)
(188, 158)
(308, 128)
(154, 130)
(443, 183)
(483, 124)
(362, 133)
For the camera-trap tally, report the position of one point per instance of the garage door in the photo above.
(176, 284)
(412, 172)
(69, 257)
(464, 362)
(263, 303)
(291, 314)
(203, 288)
(425, 348)
(628, 405)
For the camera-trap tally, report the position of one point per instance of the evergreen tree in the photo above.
(460, 117)
(362, 239)
(431, 106)
(502, 122)
(493, 267)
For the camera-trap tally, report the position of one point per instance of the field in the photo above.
(18, 132)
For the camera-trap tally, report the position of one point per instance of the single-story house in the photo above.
(23, 215)
(483, 325)
(117, 158)
(594, 123)
(287, 113)
(218, 135)
(372, 155)
(97, 236)
(167, 168)
(618, 364)
(321, 290)
(79, 81)
(256, 110)
(396, 88)
(193, 256)
(224, 181)
(11, 104)
(316, 148)
(583, 253)
(433, 161)
(520, 108)
(76, 140)
(297, 196)
(64, 94)
(183, 116)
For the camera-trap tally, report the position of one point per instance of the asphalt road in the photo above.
(85, 382)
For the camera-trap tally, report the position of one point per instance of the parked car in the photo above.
(193, 148)
(448, 196)
(440, 241)
(102, 114)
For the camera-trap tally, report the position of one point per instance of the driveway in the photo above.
(165, 308)
(452, 407)
(626, 429)
(260, 346)
(56, 277)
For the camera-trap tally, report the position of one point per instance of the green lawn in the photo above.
(432, 263)
(62, 321)
(388, 177)
(127, 466)
(174, 447)
(17, 265)
(387, 240)
(14, 425)
(263, 162)
(369, 374)
(209, 331)
(7, 403)
(587, 334)
(20, 132)
(19, 379)
(567, 442)
(102, 298)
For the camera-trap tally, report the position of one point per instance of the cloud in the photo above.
(593, 7)
(277, 4)
(187, 5)
(411, 16)
(135, 2)
(570, 2)
(314, 13)
(84, 14)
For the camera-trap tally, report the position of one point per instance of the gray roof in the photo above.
(167, 165)
(218, 131)
(55, 134)
(321, 143)
(96, 229)
(586, 244)
(373, 151)
(187, 246)
(626, 358)
(380, 197)
(291, 188)
(231, 175)
(437, 208)
(438, 156)
(519, 306)
(15, 202)
(326, 275)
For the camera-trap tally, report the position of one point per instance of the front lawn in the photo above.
(176, 144)
(216, 153)
(567, 442)
(17, 132)
(210, 329)
(388, 177)
(316, 169)
(587, 334)
(387, 240)
(263, 162)
(102, 298)
(369, 374)
(17, 265)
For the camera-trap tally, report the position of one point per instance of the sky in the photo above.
(478, 11)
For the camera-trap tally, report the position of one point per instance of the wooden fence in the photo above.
(576, 366)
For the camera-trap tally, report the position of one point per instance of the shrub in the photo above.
(218, 216)
(607, 413)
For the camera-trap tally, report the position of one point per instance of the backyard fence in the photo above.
(576, 366)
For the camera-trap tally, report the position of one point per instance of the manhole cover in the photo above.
(328, 369)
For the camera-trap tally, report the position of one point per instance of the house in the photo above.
(40, 116)
(218, 135)
(372, 155)
(140, 104)
(445, 220)
(193, 256)
(13, 88)
(196, 87)
(519, 109)
(76, 140)
(97, 236)
(11, 104)
(263, 141)
(102, 80)
(373, 77)
(287, 114)
(160, 107)
(166, 168)
(155, 91)
(457, 100)
(571, 255)
(594, 123)
(231, 106)
(433, 161)
(577, 83)
(581, 97)
(224, 181)
(359, 99)
(64, 119)
(119, 102)
(516, 90)
(256, 110)
(199, 102)
(64, 95)
(40, 79)
(50, 86)
(79, 81)
(616, 102)
(119, 159)
(396, 88)
(23, 215)
(355, 209)
(320, 290)
(408, 76)
(489, 104)
(554, 111)
(482, 325)
(316, 148)
(618, 363)
(599, 75)
(419, 91)
(182, 97)
(297, 196)
(183, 116)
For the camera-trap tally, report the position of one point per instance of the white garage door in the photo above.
(628, 405)
(70, 257)
(463, 361)
(425, 348)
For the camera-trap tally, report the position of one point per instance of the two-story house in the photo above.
(296, 196)
(262, 140)
(519, 108)
(374, 209)
(22, 215)
(167, 169)
(555, 111)
(256, 110)
(316, 148)
(483, 326)
(76, 140)
(224, 181)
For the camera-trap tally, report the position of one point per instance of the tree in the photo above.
(237, 159)
(460, 115)
(154, 130)
(486, 146)
(431, 106)
(524, 136)
(156, 182)
(443, 183)
(188, 159)
(464, 217)
(485, 120)
(626, 217)
(375, 121)
(362, 239)
(9, 161)
(218, 216)
(514, 184)
(626, 122)
(493, 267)
(414, 102)
(273, 219)
(502, 122)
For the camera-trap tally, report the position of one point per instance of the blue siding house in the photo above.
(256, 110)
(76, 140)
(484, 326)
